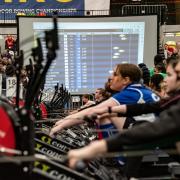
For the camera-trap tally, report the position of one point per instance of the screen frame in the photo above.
(149, 64)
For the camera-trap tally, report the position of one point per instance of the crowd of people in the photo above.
(8, 69)
(143, 107)
(137, 105)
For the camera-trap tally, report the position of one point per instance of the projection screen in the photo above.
(91, 47)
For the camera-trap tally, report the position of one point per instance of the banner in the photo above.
(36, 6)
(10, 8)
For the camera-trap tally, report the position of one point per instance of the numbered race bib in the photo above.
(11, 87)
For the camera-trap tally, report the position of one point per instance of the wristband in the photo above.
(109, 109)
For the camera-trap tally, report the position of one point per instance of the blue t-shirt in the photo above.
(132, 94)
(135, 93)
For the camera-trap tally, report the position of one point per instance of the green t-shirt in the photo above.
(152, 73)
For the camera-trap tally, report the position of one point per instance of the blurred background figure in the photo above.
(145, 73)
(169, 50)
(10, 43)
(86, 101)
(159, 66)
(101, 95)
(156, 84)
(160, 69)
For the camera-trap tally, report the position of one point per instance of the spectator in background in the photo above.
(159, 66)
(12, 55)
(86, 101)
(156, 83)
(2, 72)
(168, 51)
(145, 73)
(10, 71)
(10, 43)
(6, 54)
(160, 69)
(6, 61)
(158, 59)
(101, 95)
(2, 69)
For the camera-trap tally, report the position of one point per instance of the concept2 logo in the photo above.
(40, 1)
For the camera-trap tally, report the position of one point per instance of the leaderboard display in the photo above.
(90, 50)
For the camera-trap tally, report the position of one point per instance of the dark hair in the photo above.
(142, 65)
(158, 59)
(145, 73)
(172, 63)
(85, 96)
(10, 70)
(173, 60)
(161, 67)
(156, 80)
(104, 93)
(129, 70)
